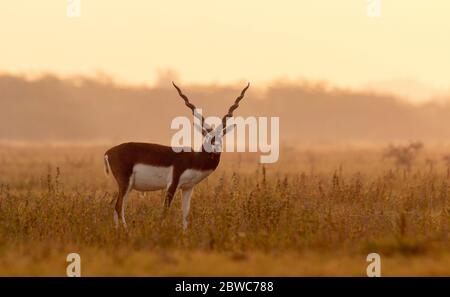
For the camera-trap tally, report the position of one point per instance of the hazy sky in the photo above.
(228, 41)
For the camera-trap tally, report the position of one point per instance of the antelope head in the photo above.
(212, 142)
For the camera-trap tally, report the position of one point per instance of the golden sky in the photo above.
(229, 41)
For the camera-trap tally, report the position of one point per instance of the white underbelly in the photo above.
(151, 178)
(191, 177)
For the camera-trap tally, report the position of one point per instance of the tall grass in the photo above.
(55, 200)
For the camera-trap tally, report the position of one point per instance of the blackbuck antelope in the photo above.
(151, 167)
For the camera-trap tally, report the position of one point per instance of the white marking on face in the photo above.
(152, 178)
(191, 177)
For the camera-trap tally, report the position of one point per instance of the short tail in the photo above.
(107, 167)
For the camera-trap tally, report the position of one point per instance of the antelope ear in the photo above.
(217, 131)
(207, 127)
(200, 129)
(229, 129)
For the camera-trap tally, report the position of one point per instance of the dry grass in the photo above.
(316, 212)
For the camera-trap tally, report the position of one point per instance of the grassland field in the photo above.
(318, 211)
